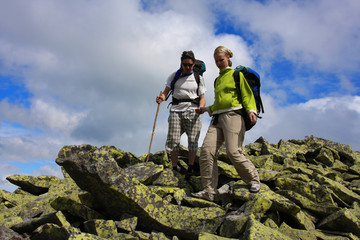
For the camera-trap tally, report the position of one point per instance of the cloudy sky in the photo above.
(75, 72)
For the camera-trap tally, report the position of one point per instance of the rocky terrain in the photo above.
(310, 190)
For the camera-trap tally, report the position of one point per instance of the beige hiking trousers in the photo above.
(231, 129)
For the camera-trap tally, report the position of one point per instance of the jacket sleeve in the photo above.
(248, 99)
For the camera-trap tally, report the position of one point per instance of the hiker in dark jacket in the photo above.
(227, 126)
(188, 97)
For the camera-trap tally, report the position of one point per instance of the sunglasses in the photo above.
(187, 65)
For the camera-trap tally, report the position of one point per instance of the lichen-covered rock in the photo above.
(50, 231)
(270, 223)
(256, 230)
(179, 196)
(320, 209)
(38, 205)
(127, 222)
(30, 225)
(100, 227)
(309, 190)
(290, 150)
(34, 185)
(297, 234)
(340, 166)
(198, 202)
(227, 170)
(123, 159)
(163, 191)
(75, 208)
(209, 236)
(262, 161)
(12, 199)
(342, 220)
(325, 156)
(355, 169)
(291, 163)
(93, 171)
(333, 235)
(87, 236)
(343, 192)
(234, 225)
(6, 233)
(160, 158)
(146, 173)
(345, 152)
(257, 207)
(166, 178)
(10, 221)
(267, 175)
(279, 202)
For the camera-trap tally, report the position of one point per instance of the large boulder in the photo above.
(118, 192)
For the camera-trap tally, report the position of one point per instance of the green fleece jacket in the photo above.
(226, 98)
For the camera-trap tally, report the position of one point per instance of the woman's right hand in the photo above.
(160, 98)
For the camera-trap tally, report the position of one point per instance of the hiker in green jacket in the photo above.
(188, 98)
(227, 126)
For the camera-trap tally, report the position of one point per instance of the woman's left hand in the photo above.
(253, 118)
(200, 110)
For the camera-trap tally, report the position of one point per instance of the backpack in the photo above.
(199, 69)
(253, 79)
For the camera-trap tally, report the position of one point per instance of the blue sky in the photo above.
(75, 72)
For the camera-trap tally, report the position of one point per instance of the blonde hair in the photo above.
(226, 51)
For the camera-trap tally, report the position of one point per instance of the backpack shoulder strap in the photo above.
(172, 84)
(236, 76)
(197, 78)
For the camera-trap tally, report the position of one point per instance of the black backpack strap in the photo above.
(236, 76)
(172, 84)
(170, 92)
(176, 101)
(197, 78)
(260, 103)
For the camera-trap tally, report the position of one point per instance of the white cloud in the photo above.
(48, 170)
(323, 33)
(50, 115)
(30, 147)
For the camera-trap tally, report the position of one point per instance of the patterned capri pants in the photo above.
(180, 122)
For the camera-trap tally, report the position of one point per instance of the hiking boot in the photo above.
(255, 187)
(204, 195)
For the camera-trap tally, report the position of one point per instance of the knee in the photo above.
(233, 153)
(207, 153)
(204, 151)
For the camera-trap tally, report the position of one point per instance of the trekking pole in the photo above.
(152, 135)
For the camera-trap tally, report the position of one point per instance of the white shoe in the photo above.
(255, 187)
(204, 195)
